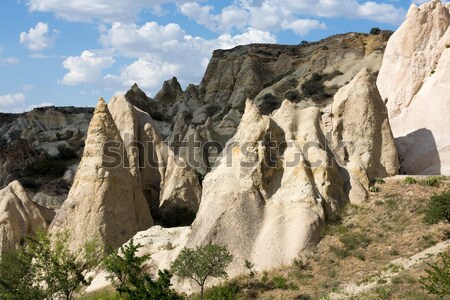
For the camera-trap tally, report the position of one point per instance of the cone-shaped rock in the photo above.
(104, 202)
(19, 216)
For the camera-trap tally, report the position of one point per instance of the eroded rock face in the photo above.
(19, 216)
(170, 185)
(281, 177)
(362, 134)
(414, 80)
(105, 201)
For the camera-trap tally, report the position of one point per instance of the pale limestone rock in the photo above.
(168, 182)
(162, 244)
(19, 216)
(104, 202)
(269, 211)
(362, 134)
(414, 79)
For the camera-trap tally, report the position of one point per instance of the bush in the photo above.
(132, 282)
(228, 291)
(437, 280)
(375, 31)
(279, 282)
(66, 153)
(374, 189)
(410, 180)
(351, 242)
(46, 269)
(438, 208)
(433, 181)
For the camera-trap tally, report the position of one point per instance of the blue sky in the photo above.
(71, 52)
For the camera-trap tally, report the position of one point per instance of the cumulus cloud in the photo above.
(38, 38)
(104, 10)
(10, 100)
(148, 72)
(293, 14)
(85, 68)
(303, 26)
(173, 52)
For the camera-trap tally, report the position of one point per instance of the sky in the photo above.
(71, 52)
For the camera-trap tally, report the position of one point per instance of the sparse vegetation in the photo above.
(437, 279)
(131, 282)
(410, 180)
(315, 88)
(44, 268)
(374, 189)
(438, 208)
(202, 263)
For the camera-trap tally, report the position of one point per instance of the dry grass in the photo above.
(358, 249)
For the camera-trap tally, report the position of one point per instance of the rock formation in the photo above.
(105, 201)
(19, 216)
(281, 177)
(169, 183)
(361, 133)
(415, 83)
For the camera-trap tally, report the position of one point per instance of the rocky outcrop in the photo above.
(169, 183)
(38, 147)
(362, 136)
(280, 178)
(19, 216)
(209, 114)
(105, 202)
(162, 244)
(415, 83)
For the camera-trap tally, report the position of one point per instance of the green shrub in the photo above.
(131, 282)
(410, 180)
(228, 291)
(279, 282)
(374, 189)
(375, 31)
(379, 180)
(437, 280)
(438, 208)
(433, 181)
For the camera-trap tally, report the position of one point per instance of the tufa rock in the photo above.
(415, 83)
(19, 216)
(104, 202)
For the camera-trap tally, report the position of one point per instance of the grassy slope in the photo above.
(359, 251)
(361, 248)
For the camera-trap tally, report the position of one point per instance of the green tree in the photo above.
(437, 280)
(126, 272)
(61, 269)
(375, 31)
(45, 268)
(17, 277)
(202, 263)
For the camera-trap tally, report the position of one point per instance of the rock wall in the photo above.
(283, 176)
(415, 83)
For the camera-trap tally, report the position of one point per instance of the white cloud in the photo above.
(10, 100)
(135, 41)
(105, 10)
(7, 60)
(27, 87)
(272, 14)
(303, 26)
(172, 52)
(148, 72)
(85, 68)
(38, 38)
(251, 35)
